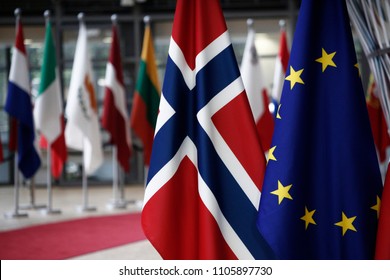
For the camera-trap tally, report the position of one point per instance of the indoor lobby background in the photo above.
(266, 15)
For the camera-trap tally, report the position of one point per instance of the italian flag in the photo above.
(147, 97)
(48, 112)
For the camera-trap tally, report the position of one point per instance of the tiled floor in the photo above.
(69, 201)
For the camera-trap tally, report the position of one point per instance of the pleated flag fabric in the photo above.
(48, 110)
(377, 121)
(115, 116)
(280, 70)
(146, 97)
(382, 251)
(206, 169)
(18, 105)
(322, 185)
(82, 131)
(252, 77)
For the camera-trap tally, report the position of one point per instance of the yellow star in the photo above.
(377, 206)
(282, 192)
(308, 217)
(278, 112)
(326, 60)
(271, 154)
(294, 77)
(346, 223)
(358, 68)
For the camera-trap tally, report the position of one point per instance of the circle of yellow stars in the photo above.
(346, 222)
(283, 192)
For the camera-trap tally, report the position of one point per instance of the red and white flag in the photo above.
(115, 117)
(252, 77)
(280, 68)
(382, 251)
(377, 121)
(19, 107)
(207, 164)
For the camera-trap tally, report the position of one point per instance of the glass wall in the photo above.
(99, 39)
(5, 170)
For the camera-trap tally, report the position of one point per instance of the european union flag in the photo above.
(322, 187)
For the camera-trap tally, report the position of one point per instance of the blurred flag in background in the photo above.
(252, 77)
(18, 105)
(115, 117)
(146, 96)
(48, 110)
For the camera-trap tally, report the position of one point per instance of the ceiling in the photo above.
(105, 7)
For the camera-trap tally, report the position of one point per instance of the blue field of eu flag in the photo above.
(322, 187)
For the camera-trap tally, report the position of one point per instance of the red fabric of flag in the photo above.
(59, 152)
(207, 164)
(382, 251)
(377, 121)
(115, 117)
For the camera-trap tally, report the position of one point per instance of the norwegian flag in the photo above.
(207, 165)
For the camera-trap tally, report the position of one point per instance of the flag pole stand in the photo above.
(49, 209)
(16, 213)
(139, 202)
(85, 207)
(122, 188)
(32, 204)
(115, 203)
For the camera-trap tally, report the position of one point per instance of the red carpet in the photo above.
(62, 240)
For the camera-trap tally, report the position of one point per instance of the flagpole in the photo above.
(122, 198)
(114, 173)
(49, 209)
(116, 202)
(85, 207)
(16, 213)
(282, 24)
(32, 204)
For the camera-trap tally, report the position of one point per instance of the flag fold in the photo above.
(18, 105)
(48, 112)
(322, 183)
(146, 97)
(377, 121)
(382, 251)
(206, 169)
(280, 69)
(82, 131)
(252, 77)
(115, 117)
